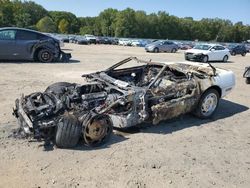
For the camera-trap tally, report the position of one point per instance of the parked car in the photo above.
(207, 52)
(24, 44)
(237, 49)
(122, 97)
(114, 41)
(91, 39)
(125, 42)
(162, 46)
(81, 40)
(103, 40)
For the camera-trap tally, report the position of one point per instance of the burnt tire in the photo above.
(207, 104)
(247, 80)
(98, 131)
(45, 56)
(68, 132)
(58, 87)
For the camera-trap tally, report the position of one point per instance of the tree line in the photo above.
(125, 23)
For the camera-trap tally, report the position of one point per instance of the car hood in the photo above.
(196, 51)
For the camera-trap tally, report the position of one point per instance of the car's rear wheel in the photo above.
(174, 50)
(98, 131)
(208, 104)
(156, 50)
(205, 59)
(68, 132)
(243, 54)
(45, 56)
(225, 58)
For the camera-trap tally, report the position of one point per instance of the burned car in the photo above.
(129, 93)
(246, 74)
(25, 44)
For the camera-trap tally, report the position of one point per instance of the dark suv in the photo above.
(237, 49)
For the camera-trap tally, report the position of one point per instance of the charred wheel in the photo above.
(68, 132)
(98, 130)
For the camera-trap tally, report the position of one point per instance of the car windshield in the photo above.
(157, 42)
(202, 47)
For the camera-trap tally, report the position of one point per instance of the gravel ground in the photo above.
(185, 152)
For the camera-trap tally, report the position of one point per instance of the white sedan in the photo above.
(208, 52)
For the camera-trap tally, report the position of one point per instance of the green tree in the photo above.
(57, 16)
(47, 25)
(106, 21)
(63, 26)
(126, 24)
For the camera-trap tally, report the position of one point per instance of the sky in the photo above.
(234, 10)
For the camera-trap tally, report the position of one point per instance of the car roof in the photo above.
(21, 29)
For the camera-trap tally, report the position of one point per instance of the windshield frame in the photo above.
(202, 47)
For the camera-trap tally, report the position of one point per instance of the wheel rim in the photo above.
(205, 59)
(45, 56)
(209, 104)
(96, 131)
(225, 58)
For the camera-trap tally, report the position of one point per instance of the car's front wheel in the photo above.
(68, 132)
(45, 56)
(205, 59)
(208, 104)
(225, 58)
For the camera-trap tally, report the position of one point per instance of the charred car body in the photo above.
(25, 44)
(122, 97)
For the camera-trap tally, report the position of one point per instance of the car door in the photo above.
(25, 40)
(221, 52)
(168, 45)
(217, 54)
(7, 44)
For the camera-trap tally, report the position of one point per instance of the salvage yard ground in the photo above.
(185, 152)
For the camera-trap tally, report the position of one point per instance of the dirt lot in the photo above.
(185, 152)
